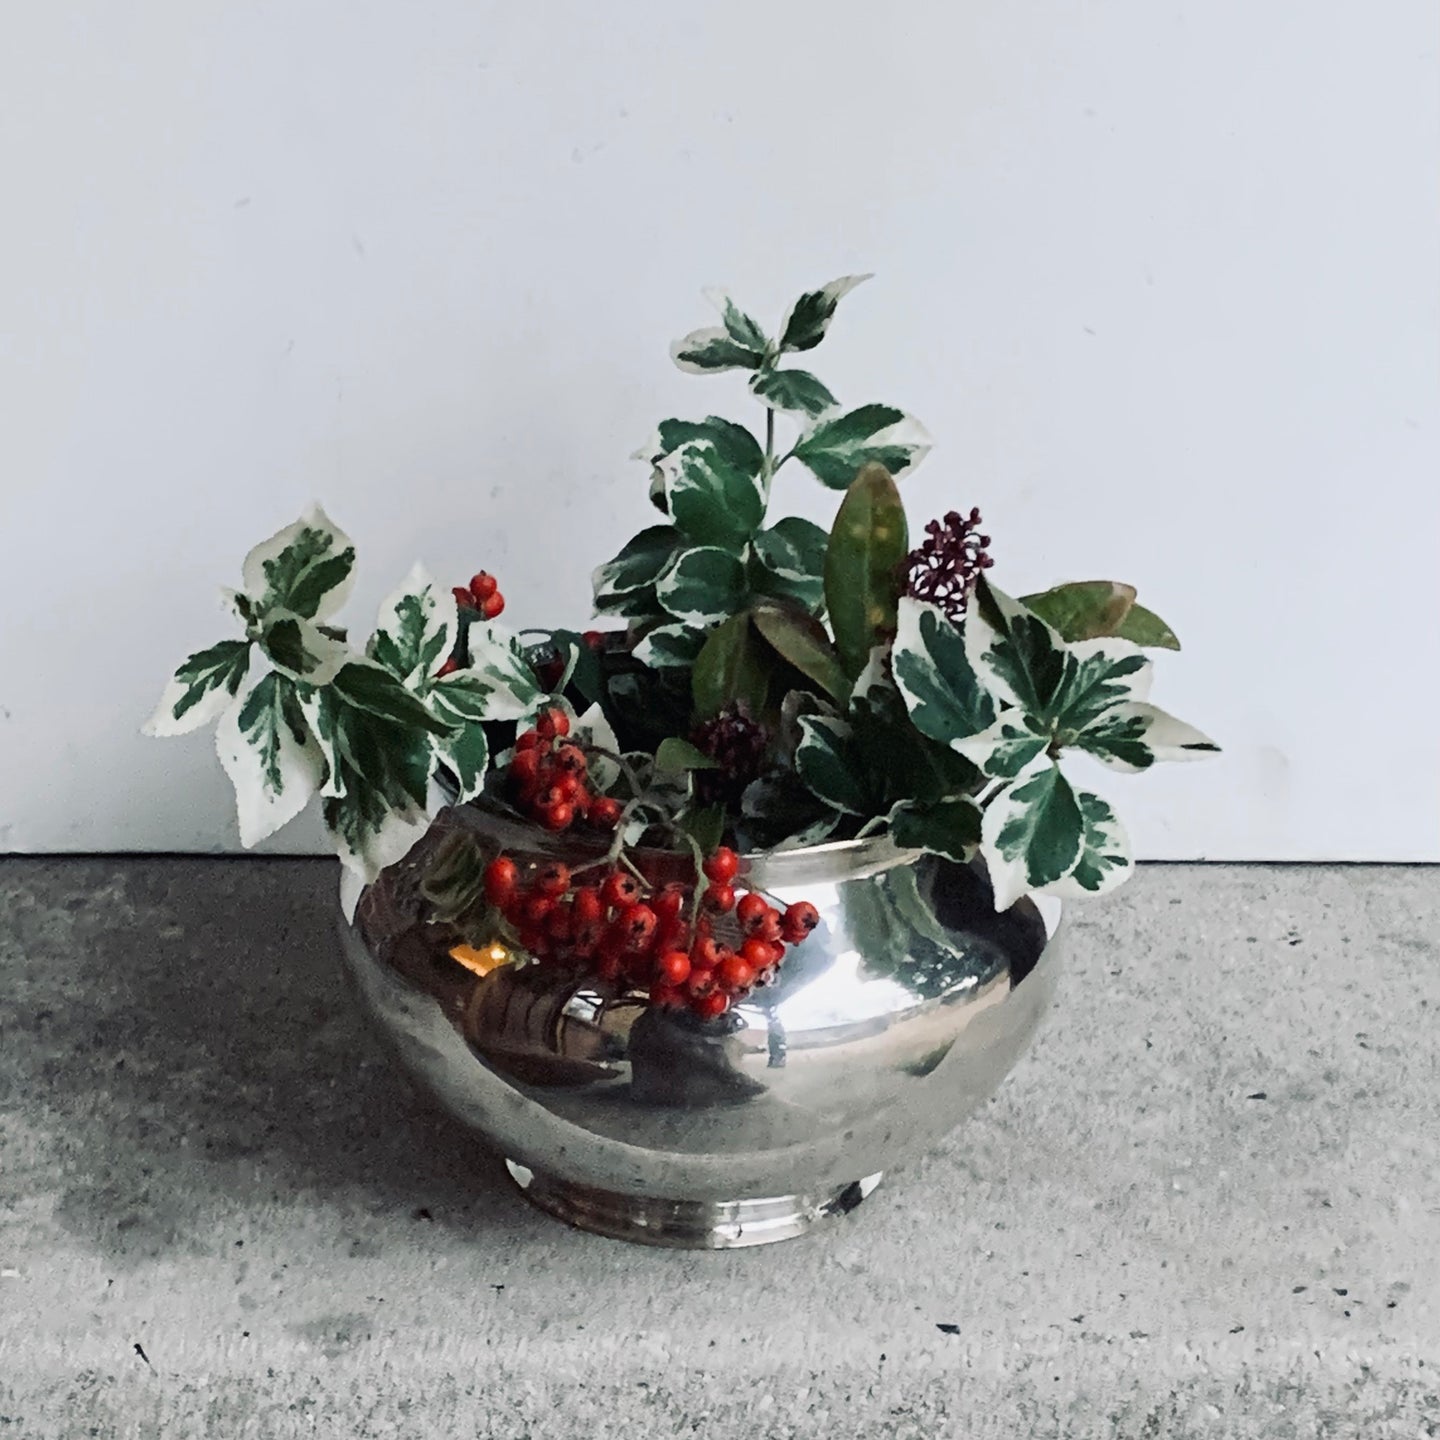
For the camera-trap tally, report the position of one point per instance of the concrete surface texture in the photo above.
(1207, 1204)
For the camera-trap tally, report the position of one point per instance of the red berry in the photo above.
(674, 967)
(668, 904)
(605, 813)
(719, 899)
(587, 936)
(483, 586)
(705, 954)
(608, 967)
(492, 607)
(554, 878)
(709, 1005)
(620, 890)
(736, 972)
(560, 923)
(750, 909)
(638, 925)
(501, 876)
(594, 639)
(800, 919)
(587, 905)
(570, 787)
(557, 817)
(552, 722)
(571, 760)
(527, 740)
(700, 982)
(768, 926)
(525, 768)
(537, 910)
(666, 996)
(755, 955)
(722, 865)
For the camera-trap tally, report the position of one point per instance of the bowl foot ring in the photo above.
(687, 1224)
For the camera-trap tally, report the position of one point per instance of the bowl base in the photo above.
(687, 1224)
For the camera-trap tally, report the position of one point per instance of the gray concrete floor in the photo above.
(1207, 1204)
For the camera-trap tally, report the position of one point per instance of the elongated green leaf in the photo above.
(825, 761)
(712, 500)
(809, 317)
(702, 585)
(802, 640)
(797, 390)
(301, 649)
(415, 630)
(636, 568)
(676, 756)
(200, 689)
(670, 646)
(1133, 736)
(1105, 854)
(703, 352)
(942, 692)
(738, 325)
(267, 750)
(1145, 627)
(948, 827)
(866, 546)
(731, 666)
(1083, 609)
(1032, 834)
(790, 557)
(837, 447)
(307, 568)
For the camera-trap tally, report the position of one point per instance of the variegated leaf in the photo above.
(796, 390)
(498, 680)
(825, 762)
(932, 669)
(948, 827)
(593, 728)
(200, 689)
(702, 352)
(1005, 748)
(415, 630)
(837, 447)
(1133, 736)
(702, 585)
(1032, 834)
(738, 325)
(714, 497)
(267, 750)
(306, 568)
(791, 557)
(369, 833)
(809, 317)
(301, 649)
(466, 751)
(1105, 852)
(669, 646)
(631, 575)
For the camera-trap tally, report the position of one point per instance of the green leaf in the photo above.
(670, 646)
(866, 546)
(792, 390)
(1145, 627)
(944, 696)
(466, 752)
(1105, 855)
(809, 317)
(802, 641)
(825, 761)
(1007, 747)
(705, 826)
(1133, 736)
(703, 352)
(301, 649)
(676, 755)
(948, 827)
(498, 674)
(731, 666)
(363, 685)
(790, 559)
(838, 447)
(713, 500)
(368, 832)
(735, 443)
(201, 688)
(702, 585)
(415, 630)
(635, 569)
(1015, 653)
(1083, 609)
(738, 325)
(1032, 834)
(267, 750)
(307, 568)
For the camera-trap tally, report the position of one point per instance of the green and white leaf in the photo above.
(739, 447)
(633, 572)
(369, 834)
(1133, 736)
(809, 317)
(270, 755)
(713, 496)
(703, 585)
(200, 689)
(825, 762)
(306, 568)
(499, 679)
(703, 352)
(791, 557)
(1105, 854)
(934, 674)
(592, 728)
(415, 630)
(670, 646)
(796, 390)
(1006, 748)
(948, 827)
(1032, 834)
(300, 649)
(738, 325)
(837, 447)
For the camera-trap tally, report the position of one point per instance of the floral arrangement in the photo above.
(770, 685)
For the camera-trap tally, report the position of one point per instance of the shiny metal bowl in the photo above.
(895, 1019)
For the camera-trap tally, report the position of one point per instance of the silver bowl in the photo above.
(896, 1018)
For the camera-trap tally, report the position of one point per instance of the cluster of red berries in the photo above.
(550, 777)
(482, 594)
(622, 931)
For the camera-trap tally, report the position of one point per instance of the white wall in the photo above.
(1161, 279)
